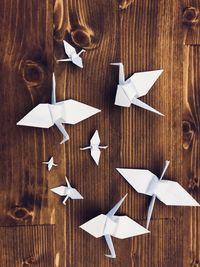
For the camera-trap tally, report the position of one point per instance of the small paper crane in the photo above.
(169, 192)
(68, 111)
(111, 225)
(50, 163)
(73, 56)
(136, 86)
(95, 147)
(67, 191)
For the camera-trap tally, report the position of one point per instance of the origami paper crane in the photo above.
(169, 192)
(111, 225)
(139, 84)
(50, 163)
(46, 115)
(73, 56)
(67, 191)
(95, 147)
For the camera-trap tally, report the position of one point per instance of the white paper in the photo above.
(67, 191)
(72, 55)
(111, 225)
(111, 248)
(69, 111)
(139, 84)
(169, 192)
(50, 163)
(95, 147)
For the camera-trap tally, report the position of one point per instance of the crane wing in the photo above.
(77, 60)
(74, 111)
(172, 193)
(126, 227)
(95, 140)
(95, 153)
(40, 116)
(50, 165)
(142, 181)
(143, 81)
(69, 49)
(95, 226)
(60, 190)
(74, 194)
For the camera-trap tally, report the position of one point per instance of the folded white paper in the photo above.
(95, 147)
(139, 84)
(49, 163)
(169, 192)
(72, 55)
(68, 111)
(67, 191)
(111, 225)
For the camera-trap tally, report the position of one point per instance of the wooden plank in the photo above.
(137, 54)
(144, 35)
(82, 26)
(26, 76)
(191, 21)
(191, 146)
(161, 247)
(148, 139)
(27, 246)
(26, 53)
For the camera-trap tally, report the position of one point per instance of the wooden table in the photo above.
(36, 229)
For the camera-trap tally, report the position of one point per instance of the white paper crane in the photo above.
(169, 192)
(67, 191)
(50, 163)
(111, 225)
(73, 56)
(139, 84)
(46, 115)
(95, 147)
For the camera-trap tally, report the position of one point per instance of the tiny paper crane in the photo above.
(50, 163)
(95, 147)
(73, 56)
(67, 191)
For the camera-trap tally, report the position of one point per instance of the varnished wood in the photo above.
(191, 144)
(28, 246)
(36, 229)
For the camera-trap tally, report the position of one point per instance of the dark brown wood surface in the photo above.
(35, 228)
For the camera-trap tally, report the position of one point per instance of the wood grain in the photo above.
(36, 229)
(27, 246)
(26, 69)
(191, 21)
(191, 144)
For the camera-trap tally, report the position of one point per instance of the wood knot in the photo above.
(20, 213)
(191, 15)
(194, 262)
(28, 261)
(188, 133)
(193, 183)
(32, 73)
(83, 37)
(187, 127)
(123, 4)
